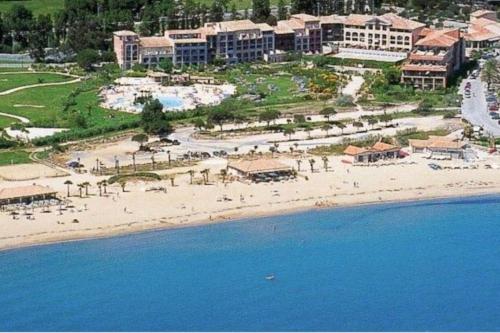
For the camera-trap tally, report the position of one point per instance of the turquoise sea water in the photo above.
(416, 266)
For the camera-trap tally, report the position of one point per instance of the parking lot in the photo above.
(480, 106)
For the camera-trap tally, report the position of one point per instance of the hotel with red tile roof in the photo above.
(385, 32)
(437, 55)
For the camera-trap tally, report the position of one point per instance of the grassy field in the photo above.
(14, 157)
(52, 113)
(6, 121)
(37, 6)
(10, 81)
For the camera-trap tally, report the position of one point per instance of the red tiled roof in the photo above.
(440, 38)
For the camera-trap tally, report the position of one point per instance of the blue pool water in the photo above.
(418, 266)
(170, 102)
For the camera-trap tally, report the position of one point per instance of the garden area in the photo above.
(14, 157)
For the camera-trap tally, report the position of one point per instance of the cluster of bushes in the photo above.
(322, 61)
(143, 175)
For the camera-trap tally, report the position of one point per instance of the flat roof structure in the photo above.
(14, 194)
(253, 167)
(364, 54)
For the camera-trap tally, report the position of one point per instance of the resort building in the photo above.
(388, 37)
(126, 47)
(436, 57)
(332, 28)
(260, 170)
(189, 47)
(306, 32)
(483, 30)
(385, 32)
(25, 195)
(440, 146)
(378, 151)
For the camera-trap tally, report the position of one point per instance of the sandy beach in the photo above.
(142, 208)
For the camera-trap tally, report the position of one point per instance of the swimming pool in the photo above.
(170, 102)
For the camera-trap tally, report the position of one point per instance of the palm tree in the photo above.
(223, 174)
(205, 173)
(326, 128)
(386, 118)
(117, 165)
(325, 162)
(490, 72)
(86, 185)
(105, 186)
(328, 112)
(123, 183)
(299, 162)
(289, 130)
(68, 183)
(99, 186)
(341, 126)
(80, 189)
(311, 163)
(357, 124)
(153, 163)
(372, 121)
(191, 175)
(272, 149)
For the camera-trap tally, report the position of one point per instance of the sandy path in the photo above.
(21, 119)
(10, 91)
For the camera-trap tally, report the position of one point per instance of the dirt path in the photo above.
(10, 91)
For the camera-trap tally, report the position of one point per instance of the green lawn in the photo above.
(9, 80)
(37, 6)
(14, 157)
(52, 113)
(6, 121)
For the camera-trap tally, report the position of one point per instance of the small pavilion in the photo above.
(378, 151)
(26, 194)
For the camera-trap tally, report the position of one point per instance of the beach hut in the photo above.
(260, 170)
(378, 151)
(439, 146)
(26, 194)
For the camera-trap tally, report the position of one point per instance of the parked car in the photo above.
(434, 166)
(496, 116)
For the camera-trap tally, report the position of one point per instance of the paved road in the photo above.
(475, 108)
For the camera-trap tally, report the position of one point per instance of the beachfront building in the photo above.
(436, 57)
(385, 32)
(439, 146)
(260, 170)
(26, 195)
(483, 30)
(379, 151)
